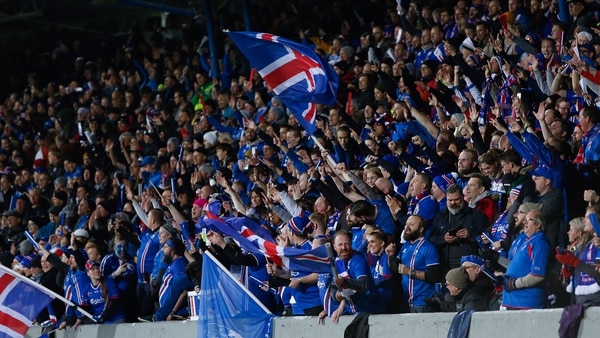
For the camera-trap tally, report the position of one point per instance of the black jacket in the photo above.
(473, 220)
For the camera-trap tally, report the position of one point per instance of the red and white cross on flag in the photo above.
(289, 69)
(20, 303)
(295, 73)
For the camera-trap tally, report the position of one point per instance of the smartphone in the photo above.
(560, 250)
(454, 231)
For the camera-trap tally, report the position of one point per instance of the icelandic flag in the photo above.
(316, 260)
(298, 75)
(20, 303)
(227, 308)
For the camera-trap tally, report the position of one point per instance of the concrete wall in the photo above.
(524, 324)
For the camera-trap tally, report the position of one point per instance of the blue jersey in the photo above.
(530, 257)
(305, 295)
(159, 264)
(384, 219)
(98, 302)
(591, 150)
(382, 275)
(149, 246)
(426, 207)
(111, 263)
(418, 256)
(354, 268)
(499, 230)
(359, 243)
(324, 284)
(75, 282)
(175, 281)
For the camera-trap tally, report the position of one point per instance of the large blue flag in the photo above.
(227, 309)
(316, 260)
(298, 75)
(20, 303)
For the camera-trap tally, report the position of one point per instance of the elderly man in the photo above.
(524, 285)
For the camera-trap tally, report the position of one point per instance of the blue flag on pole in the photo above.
(298, 75)
(227, 309)
(316, 260)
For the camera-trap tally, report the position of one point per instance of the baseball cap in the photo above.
(11, 213)
(90, 264)
(147, 160)
(544, 172)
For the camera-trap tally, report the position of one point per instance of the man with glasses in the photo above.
(524, 286)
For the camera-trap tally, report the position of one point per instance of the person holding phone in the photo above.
(455, 230)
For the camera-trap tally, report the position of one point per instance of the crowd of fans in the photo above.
(464, 148)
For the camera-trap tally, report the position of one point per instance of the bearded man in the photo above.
(454, 230)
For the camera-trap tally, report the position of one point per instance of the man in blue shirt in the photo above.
(354, 281)
(419, 264)
(174, 283)
(524, 285)
(149, 246)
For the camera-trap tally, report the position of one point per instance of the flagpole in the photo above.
(331, 260)
(330, 159)
(230, 275)
(46, 291)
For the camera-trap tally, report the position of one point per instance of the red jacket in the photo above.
(489, 207)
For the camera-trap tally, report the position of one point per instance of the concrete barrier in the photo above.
(501, 324)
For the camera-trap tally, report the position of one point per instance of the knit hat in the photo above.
(432, 64)
(348, 50)
(443, 181)
(475, 59)
(468, 44)
(81, 233)
(170, 229)
(210, 137)
(457, 277)
(54, 210)
(174, 140)
(61, 180)
(498, 59)
(342, 65)
(276, 99)
(36, 262)
(300, 225)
